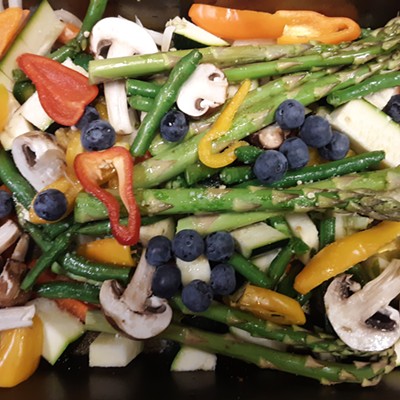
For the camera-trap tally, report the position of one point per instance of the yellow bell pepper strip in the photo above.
(286, 26)
(11, 21)
(219, 128)
(4, 107)
(90, 168)
(20, 352)
(108, 251)
(304, 26)
(342, 254)
(233, 24)
(63, 92)
(270, 305)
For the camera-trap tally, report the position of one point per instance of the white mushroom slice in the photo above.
(124, 38)
(362, 317)
(136, 311)
(16, 317)
(9, 234)
(38, 158)
(206, 88)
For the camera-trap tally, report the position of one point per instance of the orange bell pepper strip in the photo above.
(270, 305)
(342, 254)
(304, 26)
(287, 26)
(20, 352)
(4, 107)
(69, 32)
(11, 21)
(233, 24)
(63, 92)
(219, 128)
(90, 168)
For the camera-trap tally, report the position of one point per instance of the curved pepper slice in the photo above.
(287, 26)
(63, 92)
(342, 254)
(90, 169)
(219, 128)
(20, 352)
(270, 305)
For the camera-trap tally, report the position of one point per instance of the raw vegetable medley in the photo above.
(240, 168)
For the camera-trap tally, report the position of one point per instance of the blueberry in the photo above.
(197, 295)
(6, 204)
(392, 108)
(316, 131)
(159, 250)
(290, 114)
(296, 152)
(174, 126)
(219, 246)
(166, 281)
(90, 114)
(223, 279)
(270, 166)
(98, 135)
(337, 148)
(187, 245)
(50, 204)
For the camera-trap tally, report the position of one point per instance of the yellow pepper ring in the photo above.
(339, 256)
(219, 128)
(4, 107)
(270, 305)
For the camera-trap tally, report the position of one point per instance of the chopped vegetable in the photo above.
(63, 92)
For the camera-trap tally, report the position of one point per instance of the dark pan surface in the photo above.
(148, 377)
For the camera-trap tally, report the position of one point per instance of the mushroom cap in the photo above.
(138, 324)
(206, 88)
(361, 334)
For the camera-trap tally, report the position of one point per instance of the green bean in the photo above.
(164, 101)
(348, 165)
(141, 103)
(95, 271)
(58, 248)
(51, 231)
(279, 264)
(326, 231)
(235, 175)
(36, 233)
(197, 172)
(247, 269)
(69, 290)
(370, 85)
(142, 88)
(11, 177)
(247, 154)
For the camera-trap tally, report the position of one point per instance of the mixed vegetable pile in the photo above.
(240, 168)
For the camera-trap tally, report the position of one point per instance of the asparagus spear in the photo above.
(366, 373)
(139, 65)
(171, 163)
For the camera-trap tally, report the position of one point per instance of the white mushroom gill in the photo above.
(362, 317)
(124, 38)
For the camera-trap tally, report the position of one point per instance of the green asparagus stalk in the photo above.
(371, 85)
(368, 373)
(145, 65)
(170, 163)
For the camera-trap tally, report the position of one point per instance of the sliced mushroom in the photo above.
(12, 275)
(38, 158)
(362, 317)
(270, 137)
(136, 311)
(16, 317)
(9, 234)
(206, 88)
(124, 38)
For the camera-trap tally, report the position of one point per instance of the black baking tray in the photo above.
(148, 376)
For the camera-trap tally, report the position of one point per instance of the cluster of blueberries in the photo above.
(310, 131)
(188, 245)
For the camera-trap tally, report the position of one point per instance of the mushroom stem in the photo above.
(21, 248)
(377, 293)
(16, 317)
(9, 233)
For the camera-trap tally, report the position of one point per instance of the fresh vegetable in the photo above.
(89, 170)
(58, 85)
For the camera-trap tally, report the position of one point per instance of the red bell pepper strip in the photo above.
(63, 92)
(89, 168)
